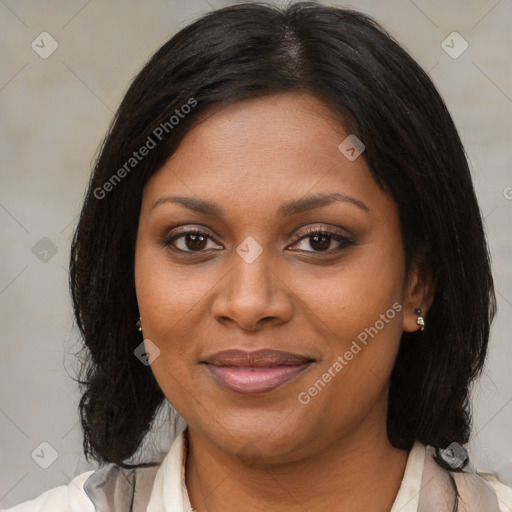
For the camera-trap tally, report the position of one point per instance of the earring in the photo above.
(420, 320)
(138, 324)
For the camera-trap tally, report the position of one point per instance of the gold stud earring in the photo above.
(420, 320)
(138, 324)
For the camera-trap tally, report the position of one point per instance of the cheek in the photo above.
(167, 292)
(172, 302)
(359, 307)
(366, 326)
(347, 299)
(166, 303)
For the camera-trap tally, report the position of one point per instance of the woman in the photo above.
(281, 239)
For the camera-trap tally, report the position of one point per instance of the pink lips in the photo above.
(253, 373)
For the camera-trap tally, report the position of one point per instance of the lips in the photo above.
(253, 373)
(258, 359)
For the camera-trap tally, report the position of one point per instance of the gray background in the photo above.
(54, 113)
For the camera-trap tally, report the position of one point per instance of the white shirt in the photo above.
(169, 492)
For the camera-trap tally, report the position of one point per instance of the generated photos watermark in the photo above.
(305, 397)
(352, 147)
(146, 352)
(152, 141)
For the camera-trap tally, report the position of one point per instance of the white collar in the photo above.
(409, 493)
(173, 496)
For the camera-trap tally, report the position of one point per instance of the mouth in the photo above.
(255, 373)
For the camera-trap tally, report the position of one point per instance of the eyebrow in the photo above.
(287, 209)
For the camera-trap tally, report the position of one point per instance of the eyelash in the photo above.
(343, 240)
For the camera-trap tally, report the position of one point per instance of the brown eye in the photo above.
(195, 242)
(320, 240)
(189, 241)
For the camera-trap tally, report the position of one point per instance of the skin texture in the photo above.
(271, 452)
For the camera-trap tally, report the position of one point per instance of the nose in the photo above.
(253, 295)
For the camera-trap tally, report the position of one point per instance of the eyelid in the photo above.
(311, 230)
(167, 239)
(344, 238)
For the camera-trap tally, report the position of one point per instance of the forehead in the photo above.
(261, 150)
(290, 126)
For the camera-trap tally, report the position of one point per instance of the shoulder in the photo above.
(476, 491)
(113, 488)
(65, 498)
(503, 491)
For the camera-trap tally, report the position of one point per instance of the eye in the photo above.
(320, 240)
(193, 240)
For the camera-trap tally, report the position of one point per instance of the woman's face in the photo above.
(258, 179)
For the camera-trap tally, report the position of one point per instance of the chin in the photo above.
(261, 438)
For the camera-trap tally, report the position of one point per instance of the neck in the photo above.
(358, 472)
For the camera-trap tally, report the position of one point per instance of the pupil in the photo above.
(198, 242)
(324, 245)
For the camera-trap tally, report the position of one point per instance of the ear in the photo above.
(419, 293)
